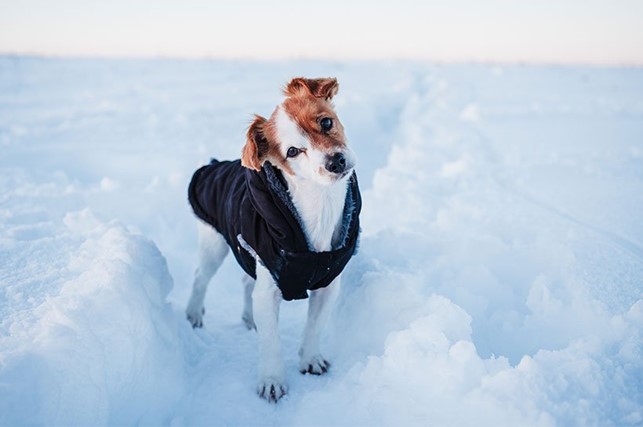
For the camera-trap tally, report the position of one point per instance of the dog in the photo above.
(289, 211)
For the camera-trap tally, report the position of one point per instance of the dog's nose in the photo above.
(336, 163)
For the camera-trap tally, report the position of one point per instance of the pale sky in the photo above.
(545, 31)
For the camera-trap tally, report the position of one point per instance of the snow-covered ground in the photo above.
(499, 279)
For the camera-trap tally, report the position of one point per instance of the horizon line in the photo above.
(321, 58)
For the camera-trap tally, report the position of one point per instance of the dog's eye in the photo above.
(326, 124)
(292, 152)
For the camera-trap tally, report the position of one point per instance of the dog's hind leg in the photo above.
(248, 287)
(212, 251)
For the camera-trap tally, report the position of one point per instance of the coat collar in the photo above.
(270, 197)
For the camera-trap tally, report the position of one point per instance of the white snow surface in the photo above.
(499, 279)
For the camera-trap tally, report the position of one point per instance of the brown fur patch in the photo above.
(261, 145)
(307, 102)
(307, 111)
(257, 146)
(324, 88)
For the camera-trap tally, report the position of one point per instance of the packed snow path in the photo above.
(499, 278)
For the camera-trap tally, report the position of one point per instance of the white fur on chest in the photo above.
(321, 210)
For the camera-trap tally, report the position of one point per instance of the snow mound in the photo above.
(402, 348)
(102, 349)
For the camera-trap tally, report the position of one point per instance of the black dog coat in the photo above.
(255, 214)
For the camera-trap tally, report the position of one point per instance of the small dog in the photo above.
(289, 211)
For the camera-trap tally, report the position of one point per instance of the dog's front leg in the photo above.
(320, 305)
(266, 298)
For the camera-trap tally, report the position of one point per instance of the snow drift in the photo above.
(101, 348)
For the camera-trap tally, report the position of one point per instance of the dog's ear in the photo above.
(254, 152)
(319, 88)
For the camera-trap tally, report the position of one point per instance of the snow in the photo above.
(500, 273)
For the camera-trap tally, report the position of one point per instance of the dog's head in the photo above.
(303, 137)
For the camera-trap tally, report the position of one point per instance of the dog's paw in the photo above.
(195, 317)
(315, 365)
(271, 389)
